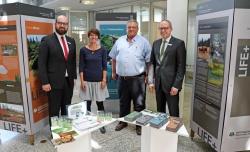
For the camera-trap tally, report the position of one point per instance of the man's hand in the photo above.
(83, 85)
(46, 87)
(114, 76)
(103, 84)
(151, 88)
(146, 79)
(173, 91)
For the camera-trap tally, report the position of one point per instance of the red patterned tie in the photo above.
(65, 50)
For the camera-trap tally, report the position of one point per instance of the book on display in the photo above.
(159, 121)
(144, 119)
(174, 124)
(132, 116)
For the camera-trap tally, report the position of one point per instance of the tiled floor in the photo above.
(122, 141)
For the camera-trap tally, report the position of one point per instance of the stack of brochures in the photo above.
(132, 116)
(159, 121)
(144, 119)
(84, 123)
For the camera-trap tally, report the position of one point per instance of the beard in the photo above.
(61, 31)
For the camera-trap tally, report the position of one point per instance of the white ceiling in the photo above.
(107, 4)
(76, 5)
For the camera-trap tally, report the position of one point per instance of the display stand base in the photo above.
(32, 139)
(159, 140)
(192, 134)
(154, 140)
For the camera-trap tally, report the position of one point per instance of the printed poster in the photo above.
(109, 34)
(35, 31)
(11, 100)
(112, 26)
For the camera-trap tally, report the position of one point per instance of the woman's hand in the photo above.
(83, 85)
(103, 84)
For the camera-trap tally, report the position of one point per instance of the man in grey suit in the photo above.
(167, 69)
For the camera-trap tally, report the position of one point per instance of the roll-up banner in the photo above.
(236, 133)
(13, 99)
(23, 105)
(34, 29)
(112, 26)
(220, 99)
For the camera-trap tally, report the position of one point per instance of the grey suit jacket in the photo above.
(171, 70)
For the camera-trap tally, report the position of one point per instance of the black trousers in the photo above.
(60, 98)
(131, 89)
(173, 102)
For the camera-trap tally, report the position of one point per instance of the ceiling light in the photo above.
(64, 8)
(88, 2)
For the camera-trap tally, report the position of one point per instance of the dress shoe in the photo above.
(138, 130)
(120, 126)
(103, 130)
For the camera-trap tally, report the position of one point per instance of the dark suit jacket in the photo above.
(171, 70)
(51, 63)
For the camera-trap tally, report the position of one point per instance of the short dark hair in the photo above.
(94, 31)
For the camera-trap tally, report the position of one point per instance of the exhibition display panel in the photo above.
(220, 107)
(23, 104)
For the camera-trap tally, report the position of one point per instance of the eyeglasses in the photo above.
(62, 23)
(132, 27)
(164, 28)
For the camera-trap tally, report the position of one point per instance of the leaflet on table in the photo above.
(61, 125)
(77, 110)
(86, 122)
(65, 137)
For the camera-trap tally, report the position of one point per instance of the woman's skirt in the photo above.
(94, 92)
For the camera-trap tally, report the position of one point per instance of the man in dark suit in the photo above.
(167, 69)
(57, 67)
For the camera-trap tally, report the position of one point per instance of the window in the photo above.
(158, 14)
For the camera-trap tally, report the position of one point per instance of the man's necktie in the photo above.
(162, 50)
(65, 50)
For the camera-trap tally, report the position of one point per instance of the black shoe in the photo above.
(102, 130)
(120, 126)
(138, 130)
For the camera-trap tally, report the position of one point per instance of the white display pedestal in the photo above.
(6, 135)
(159, 140)
(82, 142)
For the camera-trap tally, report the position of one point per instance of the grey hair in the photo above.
(133, 21)
(169, 22)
